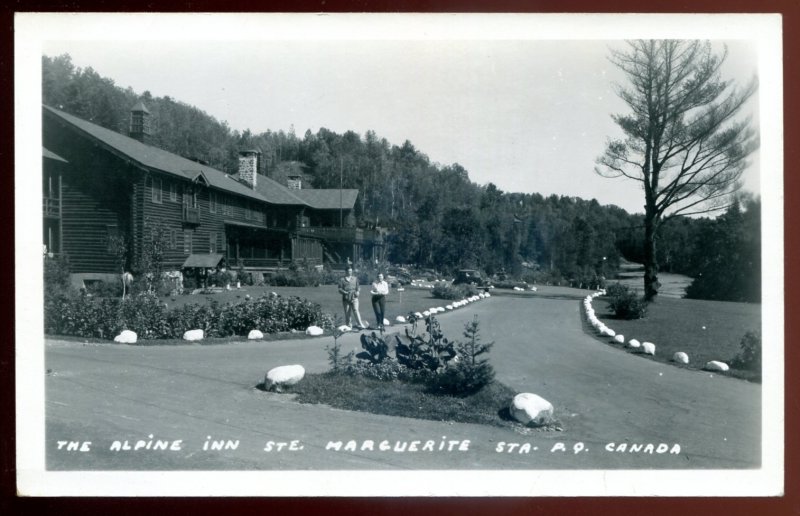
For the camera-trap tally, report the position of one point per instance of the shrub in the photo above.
(144, 314)
(616, 289)
(468, 373)
(56, 276)
(105, 289)
(749, 356)
(375, 349)
(625, 303)
(442, 366)
(86, 316)
(295, 278)
(447, 292)
(221, 278)
(429, 352)
(81, 315)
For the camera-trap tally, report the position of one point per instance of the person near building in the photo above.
(348, 288)
(380, 289)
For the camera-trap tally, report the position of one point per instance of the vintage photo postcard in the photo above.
(399, 255)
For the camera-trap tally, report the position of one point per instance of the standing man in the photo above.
(380, 289)
(348, 288)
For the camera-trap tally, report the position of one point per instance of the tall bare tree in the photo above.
(684, 138)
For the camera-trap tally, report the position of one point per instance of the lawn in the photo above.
(327, 296)
(704, 330)
(489, 406)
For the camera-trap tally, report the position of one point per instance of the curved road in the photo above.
(608, 401)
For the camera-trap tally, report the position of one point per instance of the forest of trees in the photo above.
(437, 217)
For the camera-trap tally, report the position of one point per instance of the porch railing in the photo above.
(51, 207)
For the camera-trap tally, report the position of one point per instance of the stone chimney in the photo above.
(248, 167)
(140, 123)
(294, 182)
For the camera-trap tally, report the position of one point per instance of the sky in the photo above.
(529, 115)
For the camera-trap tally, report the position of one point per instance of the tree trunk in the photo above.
(651, 283)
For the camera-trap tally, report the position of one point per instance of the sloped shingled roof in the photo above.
(277, 193)
(158, 159)
(328, 199)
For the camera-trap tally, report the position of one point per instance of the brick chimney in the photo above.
(248, 167)
(140, 123)
(294, 182)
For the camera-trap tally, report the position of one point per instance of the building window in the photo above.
(212, 202)
(173, 238)
(157, 190)
(212, 242)
(189, 196)
(173, 191)
(247, 212)
(188, 234)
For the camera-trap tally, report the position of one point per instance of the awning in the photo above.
(206, 261)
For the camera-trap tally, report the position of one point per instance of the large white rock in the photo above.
(418, 315)
(531, 409)
(716, 365)
(440, 309)
(648, 348)
(635, 344)
(449, 307)
(283, 375)
(344, 328)
(255, 335)
(620, 338)
(314, 331)
(193, 335)
(680, 357)
(126, 337)
(400, 319)
(387, 322)
(426, 313)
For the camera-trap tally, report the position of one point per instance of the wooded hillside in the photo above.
(438, 218)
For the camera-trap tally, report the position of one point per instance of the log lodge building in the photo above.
(98, 184)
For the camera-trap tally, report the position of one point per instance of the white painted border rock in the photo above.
(716, 365)
(282, 376)
(344, 328)
(255, 335)
(680, 357)
(620, 338)
(400, 319)
(531, 409)
(648, 348)
(126, 337)
(193, 335)
(635, 344)
(314, 331)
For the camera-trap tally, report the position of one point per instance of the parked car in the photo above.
(472, 277)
